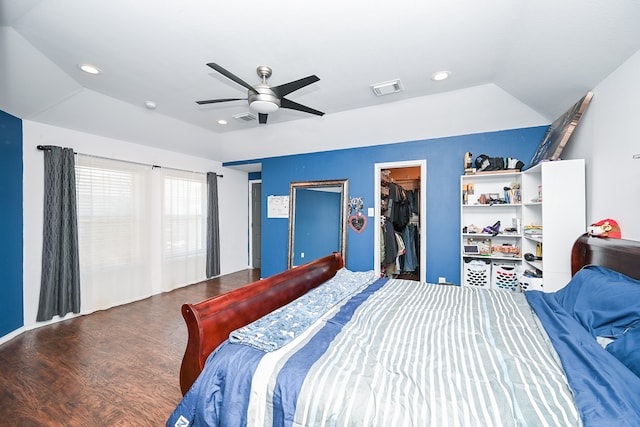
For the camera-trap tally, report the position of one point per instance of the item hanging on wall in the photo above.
(355, 204)
(357, 221)
(605, 228)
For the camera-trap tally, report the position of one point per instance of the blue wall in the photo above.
(444, 166)
(11, 306)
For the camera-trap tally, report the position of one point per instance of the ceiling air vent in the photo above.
(245, 117)
(386, 88)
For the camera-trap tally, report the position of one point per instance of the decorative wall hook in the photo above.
(355, 203)
(357, 221)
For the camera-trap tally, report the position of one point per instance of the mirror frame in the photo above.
(343, 184)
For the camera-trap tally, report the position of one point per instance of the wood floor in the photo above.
(117, 367)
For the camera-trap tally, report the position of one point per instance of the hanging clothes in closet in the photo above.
(410, 259)
(399, 207)
(392, 248)
(411, 233)
(400, 225)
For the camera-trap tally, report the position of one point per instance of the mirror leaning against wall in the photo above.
(317, 220)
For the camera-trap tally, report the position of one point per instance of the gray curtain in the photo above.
(213, 226)
(60, 281)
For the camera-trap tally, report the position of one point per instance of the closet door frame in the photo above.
(378, 167)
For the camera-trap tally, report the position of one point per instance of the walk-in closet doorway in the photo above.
(421, 166)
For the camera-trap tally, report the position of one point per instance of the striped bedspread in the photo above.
(399, 353)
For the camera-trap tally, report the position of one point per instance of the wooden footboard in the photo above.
(209, 322)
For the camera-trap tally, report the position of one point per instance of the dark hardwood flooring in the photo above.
(117, 367)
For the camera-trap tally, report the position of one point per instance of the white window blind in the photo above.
(140, 230)
(113, 231)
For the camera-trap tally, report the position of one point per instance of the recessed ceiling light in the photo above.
(440, 75)
(222, 122)
(89, 69)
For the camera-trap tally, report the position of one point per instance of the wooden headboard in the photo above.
(209, 322)
(617, 254)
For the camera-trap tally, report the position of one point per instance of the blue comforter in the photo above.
(596, 303)
(218, 399)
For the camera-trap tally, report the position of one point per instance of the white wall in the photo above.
(478, 109)
(607, 138)
(232, 188)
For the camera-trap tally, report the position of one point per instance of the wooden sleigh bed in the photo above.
(210, 322)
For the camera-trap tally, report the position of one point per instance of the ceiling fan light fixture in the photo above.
(263, 107)
(264, 98)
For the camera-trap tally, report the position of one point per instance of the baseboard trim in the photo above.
(12, 335)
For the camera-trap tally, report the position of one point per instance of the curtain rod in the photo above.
(48, 147)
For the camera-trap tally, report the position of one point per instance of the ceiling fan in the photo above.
(265, 99)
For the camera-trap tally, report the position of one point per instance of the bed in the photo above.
(360, 350)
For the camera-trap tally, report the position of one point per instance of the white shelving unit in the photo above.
(554, 197)
(549, 196)
(476, 214)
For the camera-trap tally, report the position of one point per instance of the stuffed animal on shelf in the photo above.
(605, 228)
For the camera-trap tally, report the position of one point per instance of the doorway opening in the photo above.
(255, 223)
(395, 181)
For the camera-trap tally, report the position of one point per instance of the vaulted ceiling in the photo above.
(541, 56)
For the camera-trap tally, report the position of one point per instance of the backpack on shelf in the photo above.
(486, 163)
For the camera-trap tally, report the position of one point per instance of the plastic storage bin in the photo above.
(530, 283)
(505, 276)
(477, 273)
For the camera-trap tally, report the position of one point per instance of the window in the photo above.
(140, 230)
(184, 217)
(111, 212)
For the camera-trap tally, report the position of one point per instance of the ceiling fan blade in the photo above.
(231, 76)
(287, 88)
(286, 103)
(214, 101)
(262, 118)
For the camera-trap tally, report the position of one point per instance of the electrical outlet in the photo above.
(301, 254)
(442, 280)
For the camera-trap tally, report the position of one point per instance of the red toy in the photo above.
(605, 228)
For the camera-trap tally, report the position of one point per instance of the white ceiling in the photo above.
(543, 55)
